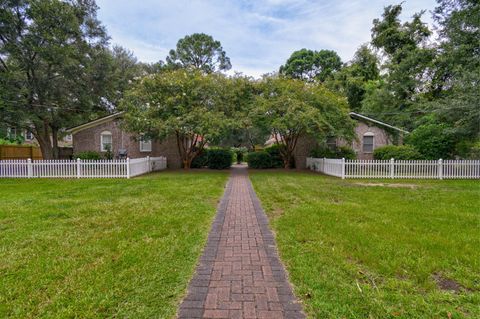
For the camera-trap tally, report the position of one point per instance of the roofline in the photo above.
(93, 123)
(377, 122)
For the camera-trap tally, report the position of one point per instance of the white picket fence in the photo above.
(448, 169)
(81, 168)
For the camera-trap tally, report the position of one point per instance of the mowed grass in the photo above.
(363, 251)
(102, 248)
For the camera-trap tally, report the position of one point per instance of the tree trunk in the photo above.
(43, 137)
(54, 140)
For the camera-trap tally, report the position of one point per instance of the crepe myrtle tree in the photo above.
(291, 108)
(186, 103)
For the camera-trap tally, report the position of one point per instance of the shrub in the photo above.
(88, 155)
(219, 158)
(433, 141)
(259, 160)
(339, 152)
(403, 152)
(346, 152)
(275, 156)
(201, 160)
(239, 154)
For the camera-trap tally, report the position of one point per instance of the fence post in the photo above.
(343, 168)
(149, 165)
(440, 169)
(128, 167)
(392, 168)
(79, 173)
(29, 168)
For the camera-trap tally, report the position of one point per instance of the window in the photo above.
(145, 145)
(12, 133)
(331, 142)
(105, 141)
(368, 142)
(28, 136)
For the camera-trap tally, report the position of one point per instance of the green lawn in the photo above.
(358, 251)
(102, 248)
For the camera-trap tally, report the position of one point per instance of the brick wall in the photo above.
(381, 138)
(89, 140)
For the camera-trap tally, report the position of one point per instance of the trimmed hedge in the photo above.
(219, 158)
(200, 160)
(259, 160)
(403, 152)
(213, 158)
(275, 156)
(88, 155)
(339, 152)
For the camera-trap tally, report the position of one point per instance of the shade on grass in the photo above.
(102, 248)
(363, 251)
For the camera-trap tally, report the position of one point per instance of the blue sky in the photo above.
(258, 36)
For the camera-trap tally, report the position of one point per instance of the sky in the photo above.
(258, 36)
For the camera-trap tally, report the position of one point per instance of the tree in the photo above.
(188, 104)
(199, 51)
(407, 68)
(242, 92)
(292, 108)
(457, 68)
(308, 65)
(353, 78)
(51, 69)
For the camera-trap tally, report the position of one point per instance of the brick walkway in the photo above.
(239, 274)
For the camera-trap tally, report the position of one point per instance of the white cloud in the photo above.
(258, 36)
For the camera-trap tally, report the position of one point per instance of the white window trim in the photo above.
(145, 146)
(368, 134)
(105, 133)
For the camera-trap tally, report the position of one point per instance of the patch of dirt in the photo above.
(411, 186)
(277, 212)
(448, 284)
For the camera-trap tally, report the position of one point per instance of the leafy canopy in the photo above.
(199, 51)
(292, 108)
(185, 103)
(310, 66)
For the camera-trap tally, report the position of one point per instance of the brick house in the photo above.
(369, 135)
(106, 133)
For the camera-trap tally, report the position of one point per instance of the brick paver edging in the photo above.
(239, 274)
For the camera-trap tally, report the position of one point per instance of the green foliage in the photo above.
(201, 160)
(308, 65)
(19, 140)
(407, 62)
(192, 106)
(213, 158)
(53, 66)
(239, 154)
(474, 152)
(108, 152)
(88, 155)
(433, 141)
(353, 78)
(276, 159)
(338, 152)
(259, 160)
(291, 108)
(199, 51)
(398, 152)
(219, 158)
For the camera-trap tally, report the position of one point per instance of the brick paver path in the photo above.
(239, 274)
